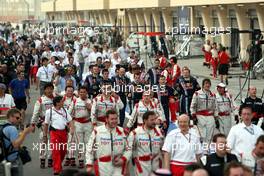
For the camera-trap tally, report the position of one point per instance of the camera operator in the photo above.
(13, 140)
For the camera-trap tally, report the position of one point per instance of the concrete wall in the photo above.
(65, 5)
(126, 4)
(92, 4)
(210, 2)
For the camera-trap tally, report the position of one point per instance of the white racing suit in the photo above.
(103, 147)
(144, 147)
(158, 105)
(204, 107)
(42, 104)
(101, 105)
(138, 111)
(226, 111)
(83, 126)
(68, 103)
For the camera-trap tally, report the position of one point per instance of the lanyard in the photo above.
(150, 143)
(250, 131)
(112, 143)
(188, 139)
(46, 71)
(255, 168)
(58, 112)
(206, 97)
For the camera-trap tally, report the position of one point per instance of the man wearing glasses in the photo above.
(13, 140)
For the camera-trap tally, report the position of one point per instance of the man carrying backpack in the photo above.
(11, 141)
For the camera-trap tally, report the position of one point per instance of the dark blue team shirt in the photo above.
(18, 88)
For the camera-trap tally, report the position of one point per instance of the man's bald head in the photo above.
(183, 122)
(184, 117)
(200, 172)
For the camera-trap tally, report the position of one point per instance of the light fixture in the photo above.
(204, 6)
(240, 5)
(261, 4)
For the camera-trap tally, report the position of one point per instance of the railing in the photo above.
(184, 48)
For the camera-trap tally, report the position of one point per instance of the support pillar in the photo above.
(207, 20)
(156, 18)
(167, 17)
(147, 14)
(132, 20)
(140, 21)
(223, 22)
(243, 24)
(260, 14)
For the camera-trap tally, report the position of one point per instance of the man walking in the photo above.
(242, 137)
(57, 120)
(19, 88)
(44, 75)
(181, 147)
(106, 148)
(203, 108)
(144, 145)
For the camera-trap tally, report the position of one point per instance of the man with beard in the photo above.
(186, 85)
(144, 145)
(107, 145)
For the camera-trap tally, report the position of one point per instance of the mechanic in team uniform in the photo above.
(103, 102)
(140, 108)
(226, 109)
(144, 145)
(68, 102)
(107, 144)
(181, 147)
(81, 113)
(203, 108)
(44, 103)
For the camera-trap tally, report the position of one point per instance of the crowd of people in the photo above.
(114, 113)
(217, 57)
